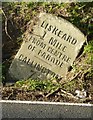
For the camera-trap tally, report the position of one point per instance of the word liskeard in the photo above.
(49, 50)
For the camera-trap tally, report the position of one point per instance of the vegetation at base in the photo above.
(42, 85)
(17, 15)
(89, 50)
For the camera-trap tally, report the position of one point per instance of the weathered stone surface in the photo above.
(49, 50)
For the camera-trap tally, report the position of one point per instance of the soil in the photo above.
(13, 93)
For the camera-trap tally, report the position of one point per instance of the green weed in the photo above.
(89, 51)
(42, 85)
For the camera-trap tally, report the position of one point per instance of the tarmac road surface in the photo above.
(28, 109)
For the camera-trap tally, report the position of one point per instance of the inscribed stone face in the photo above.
(48, 50)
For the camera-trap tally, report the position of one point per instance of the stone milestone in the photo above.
(49, 50)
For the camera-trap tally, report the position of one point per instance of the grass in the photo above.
(89, 51)
(41, 85)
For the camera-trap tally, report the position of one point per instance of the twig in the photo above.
(86, 99)
(52, 92)
(75, 76)
(6, 31)
(80, 57)
(9, 96)
(64, 94)
(69, 95)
